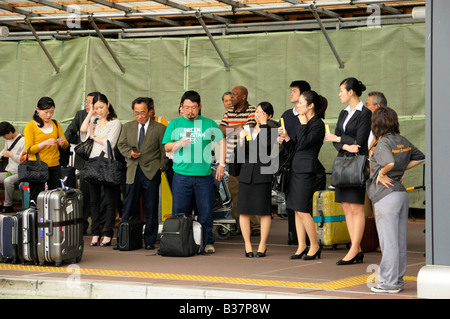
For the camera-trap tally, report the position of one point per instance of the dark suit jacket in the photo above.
(308, 142)
(72, 132)
(153, 156)
(251, 168)
(357, 130)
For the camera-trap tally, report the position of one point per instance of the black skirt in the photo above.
(301, 191)
(255, 199)
(354, 195)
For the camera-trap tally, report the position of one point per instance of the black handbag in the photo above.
(33, 171)
(280, 180)
(101, 170)
(350, 171)
(84, 149)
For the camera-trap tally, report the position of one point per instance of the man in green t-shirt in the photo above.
(189, 138)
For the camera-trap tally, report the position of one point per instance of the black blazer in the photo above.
(357, 130)
(308, 142)
(251, 167)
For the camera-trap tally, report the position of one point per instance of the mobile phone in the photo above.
(134, 149)
(188, 134)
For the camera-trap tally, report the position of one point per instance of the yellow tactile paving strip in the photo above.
(332, 285)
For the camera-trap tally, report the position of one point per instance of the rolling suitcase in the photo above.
(330, 222)
(60, 226)
(9, 238)
(129, 235)
(29, 236)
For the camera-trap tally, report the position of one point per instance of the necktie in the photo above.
(141, 136)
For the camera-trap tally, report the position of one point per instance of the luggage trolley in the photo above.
(225, 225)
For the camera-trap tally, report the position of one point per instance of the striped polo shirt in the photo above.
(231, 117)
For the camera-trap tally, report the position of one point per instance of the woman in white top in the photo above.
(105, 128)
(351, 135)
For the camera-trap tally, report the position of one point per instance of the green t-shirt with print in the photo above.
(193, 159)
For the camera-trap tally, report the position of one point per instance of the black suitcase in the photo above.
(177, 237)
(10, 237)
(129, 235)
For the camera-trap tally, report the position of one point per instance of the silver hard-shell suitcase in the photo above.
(60, 226)
(29, 235)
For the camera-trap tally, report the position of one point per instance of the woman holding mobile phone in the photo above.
(44, 135)
(106, 128)
(253, 182)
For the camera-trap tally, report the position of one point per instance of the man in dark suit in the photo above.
(140, 142)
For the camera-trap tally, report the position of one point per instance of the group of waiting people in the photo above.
(368, 130)
(184, 146)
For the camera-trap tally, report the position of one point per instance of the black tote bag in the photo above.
(101, 170)
(350, 171)
(33, 171)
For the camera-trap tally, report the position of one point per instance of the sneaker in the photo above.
(209, 249)
(385, 290)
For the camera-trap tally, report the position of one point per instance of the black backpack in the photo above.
(177, 237)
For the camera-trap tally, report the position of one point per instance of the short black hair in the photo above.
(191, 95)
(5, 128)
(303, 86)
(147, 100)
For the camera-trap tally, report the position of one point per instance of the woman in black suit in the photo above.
(305, 165)
(255, 178)
(351, 135)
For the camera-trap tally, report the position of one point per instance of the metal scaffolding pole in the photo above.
(30, 26)
(325, 33)
(97, 30)
(198, 15)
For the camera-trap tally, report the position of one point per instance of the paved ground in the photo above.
(108, 274)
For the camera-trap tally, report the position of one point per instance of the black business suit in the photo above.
(305, 164)
(357, 132)
(254, 183)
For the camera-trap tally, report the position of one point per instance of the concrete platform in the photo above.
(105, 273)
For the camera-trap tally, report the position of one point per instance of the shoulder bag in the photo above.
(5, 160)
(33, 171)
(84, 149)
(280, 180)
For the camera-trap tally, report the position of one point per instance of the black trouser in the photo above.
(54, 176)
(108, 209)
(150, 189)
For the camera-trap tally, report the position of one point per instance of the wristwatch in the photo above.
(223, 165)
(338, 139)
(381, 175)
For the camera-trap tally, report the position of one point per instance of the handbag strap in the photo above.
(38, 159)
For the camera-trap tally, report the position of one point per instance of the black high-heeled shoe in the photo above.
(317, 254)
(358, 259)
(295, 256)
(95, 243)
(103, 244)
(260, 254)
(249, 254)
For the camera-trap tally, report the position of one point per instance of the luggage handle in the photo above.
(50, 228)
